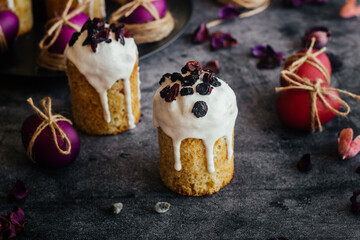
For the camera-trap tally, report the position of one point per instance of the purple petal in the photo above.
(17, 217)
(271, 59)
(228, 12)
(336, 63)
(201, 34)
(212, 66)
(259, 51)
(293, 3)
(222, 40)
(20, 190)
(321, 34)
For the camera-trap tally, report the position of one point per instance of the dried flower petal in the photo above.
(12, 224)
(20, 190)
(162, 207)
(317, 1)
(222, 40)
(269, 58)
(229, 11)
(293, 3)
(336, 63)
(201, 34)
(212, 66)
(355, 205)
(350, 9)
(321, 34)
(117, 207)
(304, 164)
(347, 147)
(17, 217)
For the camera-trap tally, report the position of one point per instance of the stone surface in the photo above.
(268, 197)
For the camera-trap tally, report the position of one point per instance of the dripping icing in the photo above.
(111, 62)
(178, 122)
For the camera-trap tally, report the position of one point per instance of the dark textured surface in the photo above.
(267, 197)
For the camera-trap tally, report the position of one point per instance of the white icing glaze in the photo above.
(11, 4)
(178, 122)
(111, 62)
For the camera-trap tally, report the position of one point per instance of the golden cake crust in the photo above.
(194, 178)
(87, 109)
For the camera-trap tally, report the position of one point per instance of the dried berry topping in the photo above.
(164, 91)
(207, 76)
(162, 79)
(213, 66)
(176, 76)
(74, 38)
(200, 109)
(193, 66)
(85, 26)
(203, 88)
(304, 164)
(355, 205)
(189, 80)
(215, 82)
(172, 94)
(186, 91)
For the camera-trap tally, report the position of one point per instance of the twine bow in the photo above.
(3, 43)
(315, 89)
(58, 22)
(130, 7)
(51, 122)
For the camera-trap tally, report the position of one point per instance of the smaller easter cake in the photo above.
(95, 8)
(195, 114)
(102, 69)
(23, 10)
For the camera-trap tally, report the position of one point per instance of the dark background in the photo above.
(267, 197)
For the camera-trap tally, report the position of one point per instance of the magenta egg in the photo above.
(9, 23)
(141, 15)
(44, 149)
(66, 33)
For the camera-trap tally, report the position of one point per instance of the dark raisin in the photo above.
(99, 22)
(215, 82)
(200, 109)
(203, 88)
(355, 205)
(304, 164)
(189, 80)
(172, 94)
(101, 36)
(86, 24)
(184, 70)
(74, 38)
(176, 76)
(193, 65)
(207, 76)
(186, 91)
(113, 27)
(108, 41)
(164, 91)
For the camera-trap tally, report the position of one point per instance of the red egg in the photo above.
(141, 15)
(309, 71)
(9, 23)
(66, 33)
(44, 149)
(293, 108)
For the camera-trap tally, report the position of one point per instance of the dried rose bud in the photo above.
(347, 147)
(20, 190)
(304, 164)
(321, 34)
(212, 66)
(222, 40)
(355, 205)
(229, 11)
(162, 207)
(201, 34)
(269, 58)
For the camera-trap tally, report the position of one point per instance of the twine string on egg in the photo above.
(315, 89)
(145, 32)
(3, 43)
(51, 122)
(257, 6)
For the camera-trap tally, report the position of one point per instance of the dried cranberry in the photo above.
(355, 205)
(215, 82)
(304, 164)
(74, 38)
(193, 66)
(212, 66)
(189, 80)
(200, 109)
(101, 36)
(203, 88)
(186, 91)
(164, 91)
(176, 76)
(172, 94)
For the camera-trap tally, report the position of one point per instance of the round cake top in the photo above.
(195, 104)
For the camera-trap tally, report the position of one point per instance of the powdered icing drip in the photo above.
(104, 63)
(205, 108)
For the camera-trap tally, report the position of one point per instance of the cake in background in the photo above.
(23, 10)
